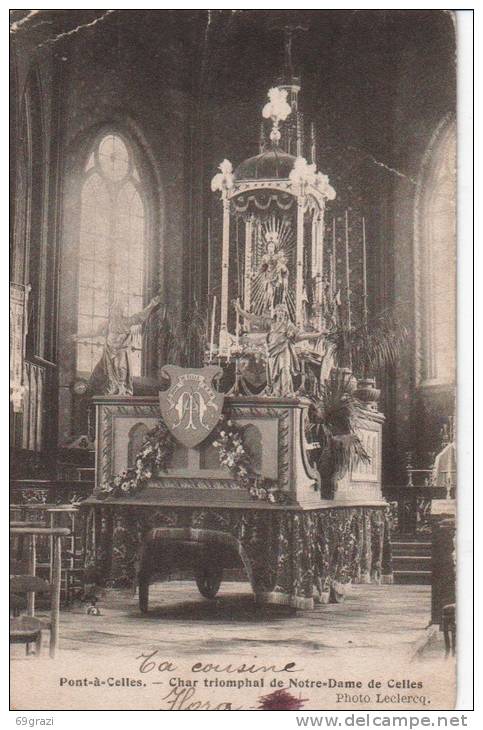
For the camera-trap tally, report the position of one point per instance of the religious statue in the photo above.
(282, 359)
(274, 271)
(113, 373)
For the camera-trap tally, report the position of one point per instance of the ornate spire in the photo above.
(292, 136)
(289, 76)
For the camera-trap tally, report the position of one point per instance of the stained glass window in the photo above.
(111, 247)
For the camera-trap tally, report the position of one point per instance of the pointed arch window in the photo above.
(112, 244)
(436, 261)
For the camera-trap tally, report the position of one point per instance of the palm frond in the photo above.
(335, 417)
(370, 347)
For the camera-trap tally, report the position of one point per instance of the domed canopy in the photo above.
(273, 164)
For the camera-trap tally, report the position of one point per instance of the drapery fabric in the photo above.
(291, 556)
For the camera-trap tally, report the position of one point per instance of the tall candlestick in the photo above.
(209, 258)
(212, 338)
(348, 283)
(364, 272)
(334, 258)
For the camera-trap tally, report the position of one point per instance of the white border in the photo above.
(76, 719)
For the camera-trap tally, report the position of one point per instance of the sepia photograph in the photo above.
(233, 465)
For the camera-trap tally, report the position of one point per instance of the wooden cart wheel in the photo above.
(208, 579)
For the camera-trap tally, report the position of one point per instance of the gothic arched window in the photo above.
(436, 261)
(112, 244)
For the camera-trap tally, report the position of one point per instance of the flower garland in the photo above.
(155, 455)
(157, 451)
(228, 440)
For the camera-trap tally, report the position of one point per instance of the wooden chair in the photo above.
(72, 569)
(27, 629)
(17, 548)
(56, 515)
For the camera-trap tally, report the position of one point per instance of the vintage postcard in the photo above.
(233, 360)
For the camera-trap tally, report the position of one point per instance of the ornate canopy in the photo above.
(280, 199)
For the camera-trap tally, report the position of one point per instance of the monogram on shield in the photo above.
(191, 407)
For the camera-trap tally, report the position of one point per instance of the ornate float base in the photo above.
(292, 557)
(274, 429)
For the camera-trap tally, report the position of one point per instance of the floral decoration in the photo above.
(155, 456)
(277, 109)
(157, 451)
(223, 180)
(229, 442)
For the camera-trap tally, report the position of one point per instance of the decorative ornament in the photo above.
(229, 442)
(155, 456)
(272, 237)
(191, 407)
(223, 180)
(277, 109)
(322, 184)
(80, 386)
(303, 173)
(157, 451)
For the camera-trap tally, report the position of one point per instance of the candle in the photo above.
(209, 258)
(333, 282)
(212, 339)
(347, 271)
(364, 272)
(347, 282)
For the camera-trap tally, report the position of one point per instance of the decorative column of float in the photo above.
(224, 277)
(315, 254)
(299, 280)
(300, 177)
(223, 181)
(247, 287)
(318, 256)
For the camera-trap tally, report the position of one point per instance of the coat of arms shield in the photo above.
(191, 407)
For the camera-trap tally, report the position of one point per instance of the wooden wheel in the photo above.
(208, 579)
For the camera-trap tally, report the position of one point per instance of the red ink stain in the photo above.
(281, 700)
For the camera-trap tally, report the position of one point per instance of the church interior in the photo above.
(182, 183)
